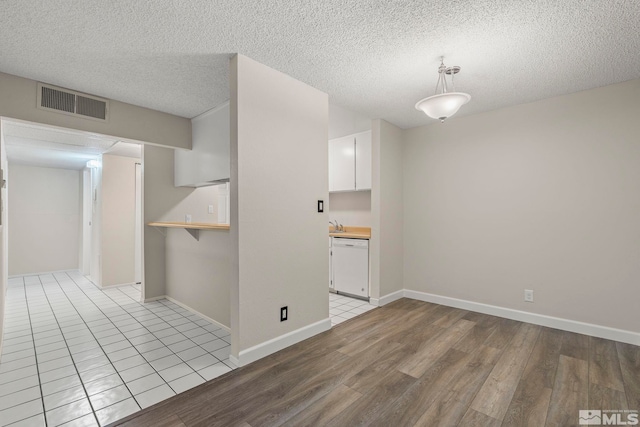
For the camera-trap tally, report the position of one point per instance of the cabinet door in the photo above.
(363, 161)
(330, 265)
(342, 164)
(209, 159)
(351, 270)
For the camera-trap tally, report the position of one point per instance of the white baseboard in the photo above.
(186, 307)
(233, 361)
(386, 299)
(283, 341)
(524, 316)
(117, 285)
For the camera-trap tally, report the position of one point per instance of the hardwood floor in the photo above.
(415, 363)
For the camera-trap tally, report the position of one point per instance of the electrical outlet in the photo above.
(528, 295)
(284, 313)
(187, 218)
(210, 209)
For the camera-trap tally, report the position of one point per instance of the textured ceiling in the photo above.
(374, 57)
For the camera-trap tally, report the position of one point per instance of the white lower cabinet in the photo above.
(350, 266)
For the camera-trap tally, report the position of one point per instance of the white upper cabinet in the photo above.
(342, 166)
(363, 161)
(209, 161)
(350, 162)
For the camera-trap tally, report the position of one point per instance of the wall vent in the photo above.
(72, 103)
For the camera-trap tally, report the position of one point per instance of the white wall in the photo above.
(351, 208)
(96, 226)
(541, 196)
(343, 122)
(195, 273)
(195, 203)
(279, 169)
(118, 220)
(4, 266)
(45, 218)
(86, 221)
(387, 242)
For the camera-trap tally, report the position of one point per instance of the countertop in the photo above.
(352, 232)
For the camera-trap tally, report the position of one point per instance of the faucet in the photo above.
(337, 227)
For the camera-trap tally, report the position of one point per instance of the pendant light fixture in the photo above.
(444, 103)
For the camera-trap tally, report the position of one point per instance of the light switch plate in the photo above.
(187, 218)
(210, 209)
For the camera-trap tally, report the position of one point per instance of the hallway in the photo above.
(74, 353)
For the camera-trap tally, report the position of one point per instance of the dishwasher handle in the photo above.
(350, 243)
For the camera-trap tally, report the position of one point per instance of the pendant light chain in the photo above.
(453, 85)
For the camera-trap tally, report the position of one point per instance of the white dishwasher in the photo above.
(350, 262)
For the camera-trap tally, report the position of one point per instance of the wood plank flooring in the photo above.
(412, 363)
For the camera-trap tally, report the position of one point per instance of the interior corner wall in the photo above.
(118, 219)
(279, 162)
(45, 219)
(3, 236)
(540, 196)
(196, 273)
(387, 242)
(157, 167)
(19, 100)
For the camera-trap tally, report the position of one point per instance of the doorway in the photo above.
(72, 209)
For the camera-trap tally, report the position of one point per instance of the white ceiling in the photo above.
(375, 57)
(45, 146)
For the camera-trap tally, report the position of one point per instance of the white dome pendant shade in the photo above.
(443, 104)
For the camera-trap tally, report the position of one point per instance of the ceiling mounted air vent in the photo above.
(72, 103)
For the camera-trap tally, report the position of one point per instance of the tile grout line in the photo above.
(72, 290)
(133, 346)
(37, 367)
(101, 348)
(70, 355)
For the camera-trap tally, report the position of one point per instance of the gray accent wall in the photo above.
(542, 196)
(18, 101)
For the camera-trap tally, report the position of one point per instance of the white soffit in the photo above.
(126, 149)
(45, 146)
(377, 58)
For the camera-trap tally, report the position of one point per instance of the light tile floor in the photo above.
(342, 307)
(77, 355)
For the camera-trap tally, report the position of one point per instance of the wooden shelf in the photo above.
(192, 228)
(190, 225)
